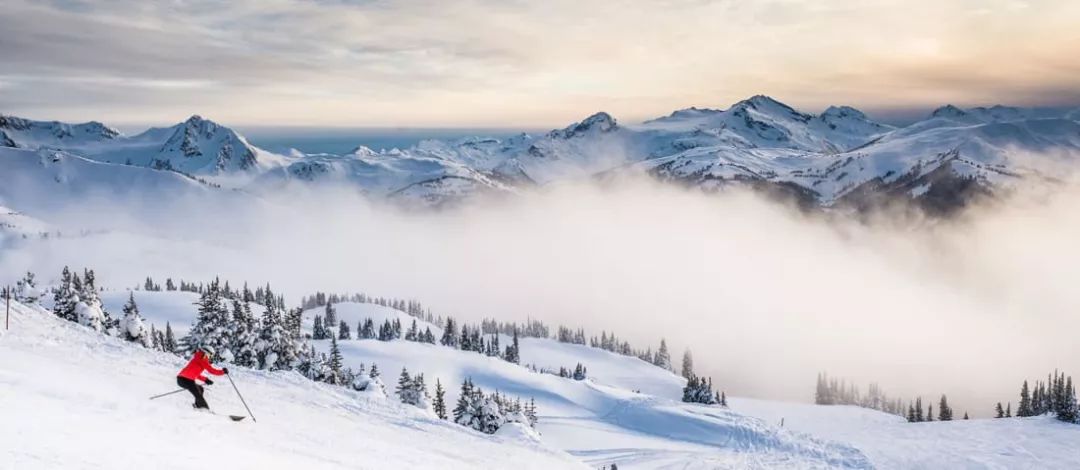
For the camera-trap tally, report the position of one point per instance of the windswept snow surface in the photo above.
(73, 398)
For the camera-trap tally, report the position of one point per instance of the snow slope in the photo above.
(890, 442)
(73, 398)
(625, 412)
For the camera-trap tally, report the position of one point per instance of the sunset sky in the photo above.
(510, 63)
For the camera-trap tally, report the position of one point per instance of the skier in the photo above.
(193, 371)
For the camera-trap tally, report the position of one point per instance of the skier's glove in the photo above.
(225, 370)
(208, 381)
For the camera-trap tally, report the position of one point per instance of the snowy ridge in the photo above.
(836, 157)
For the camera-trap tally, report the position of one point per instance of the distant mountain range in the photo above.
(837, 158)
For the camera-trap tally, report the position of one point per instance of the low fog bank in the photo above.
(764, 295)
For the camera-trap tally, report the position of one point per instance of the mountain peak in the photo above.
(599, 122)
(843, 112)
(948, 111)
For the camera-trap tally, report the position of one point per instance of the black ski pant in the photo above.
(195, 389)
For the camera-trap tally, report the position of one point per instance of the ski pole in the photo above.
(241, 398)
(166, 394)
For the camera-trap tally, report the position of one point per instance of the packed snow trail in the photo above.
(73, 398)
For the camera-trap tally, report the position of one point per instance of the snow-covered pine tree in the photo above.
(413, 333)
(1024, 410)
(343, 331)
(318, 332)
(335, 377)
(245, 335)
(1069, 411)
(374, 371)
(26, 290)
(999, 412)
(330, 315)
(396, 329)
(89, 309)
(512, 351)
(449, 336)
(723, 399)
(579, 372)
(212, 327)
(404, 389)
(170, 344)
(440, 400)
(463, 402)
(367, 329)
(688, 365)
(662, 359)
(929, 413)
(275, 349)
(132, 326)
(65, 296)
(944, 410)
(429, 337)
(1008, 410)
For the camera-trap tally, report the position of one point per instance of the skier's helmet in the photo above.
(209, 351)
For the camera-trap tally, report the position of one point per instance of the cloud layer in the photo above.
(514, 63)
(765, 296)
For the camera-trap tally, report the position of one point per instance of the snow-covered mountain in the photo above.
(838, 157)
(195, 146)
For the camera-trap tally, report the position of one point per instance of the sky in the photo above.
(511, 63)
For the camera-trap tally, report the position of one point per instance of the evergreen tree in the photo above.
(413, 333)
(464, 400)
(449, 336)
(918, 410)
(170, 344)
(440, 400)
(1025, 409)
(404, 387)
(944, 411)
(318, 332)
(343, 331)
(1008, 410)
(335, 376)
(687, 365)
(662, 359)
(212, 324)
(276, 349)
(929, 413)
(330, 316)
(429, 337)
(26, 290)
(245, 335)
(999, 412)
(512, 351)
(65, 297)
(1068, 411)
(966, 415)
(133, 328)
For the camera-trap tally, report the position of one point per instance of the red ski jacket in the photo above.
(194, 369)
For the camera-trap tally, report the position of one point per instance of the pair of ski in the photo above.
(207, 410)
